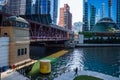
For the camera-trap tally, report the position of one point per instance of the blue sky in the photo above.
(98, 5)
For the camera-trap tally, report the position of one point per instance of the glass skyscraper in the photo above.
(42, 7)
(118, 13)
(28, 7)
(85, 15)
(54, 10)
(92, 16)
(16, 7)
(47, 7)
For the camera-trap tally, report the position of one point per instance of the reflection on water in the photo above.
(100, 59)
(77, 59)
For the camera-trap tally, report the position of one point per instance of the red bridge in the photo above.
(43, 32)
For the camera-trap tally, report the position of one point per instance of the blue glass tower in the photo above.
(54, 10)
(118, 13)
(85, 15)
(47, 7)
(92, 16)
(28, 7)
(42, 7)
(109, 8)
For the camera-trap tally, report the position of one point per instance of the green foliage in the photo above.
(85, 77)
(110, 29)
(87, 34)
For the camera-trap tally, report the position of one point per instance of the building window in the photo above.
(25, 50)
(26, 25)
(17, 24)
(22, 51)
(19, 52)
(5, 34)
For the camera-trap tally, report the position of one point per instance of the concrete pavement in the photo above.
(71, 76)
(12, 75)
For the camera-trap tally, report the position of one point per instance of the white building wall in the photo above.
(81, 38)
(4, 51)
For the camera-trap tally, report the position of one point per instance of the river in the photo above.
(100, 59)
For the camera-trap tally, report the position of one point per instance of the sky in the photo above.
(76, 8)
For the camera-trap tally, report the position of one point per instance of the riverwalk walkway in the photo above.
(12, 75)
(97, 45)
(71, 76)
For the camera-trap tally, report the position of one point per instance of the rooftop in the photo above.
(105, 25)
(17, 18)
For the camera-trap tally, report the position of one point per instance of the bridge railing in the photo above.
(34, 38)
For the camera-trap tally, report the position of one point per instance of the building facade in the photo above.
(16, 7)
(103, 9)
(109, 8)
(47, 7)
(42, 7)
(4, 52)
(92, 16)
(85, 15)
(33, 9)
(19, 41)
(77, 27)
(65, 19)
(54, 10)
(28, 7)
(118, 13)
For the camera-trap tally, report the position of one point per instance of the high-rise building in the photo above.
(61, 18)
(42, 7)
(118, 13)
(77, 27)
(3, 5)
(103, 9)
(33, 9)
(28, 7)
(65, 19)
(92, 16)
(109, 8)
(47, 7)
(85, 15)
(97, 16)
(16, 7)
(54, 10)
